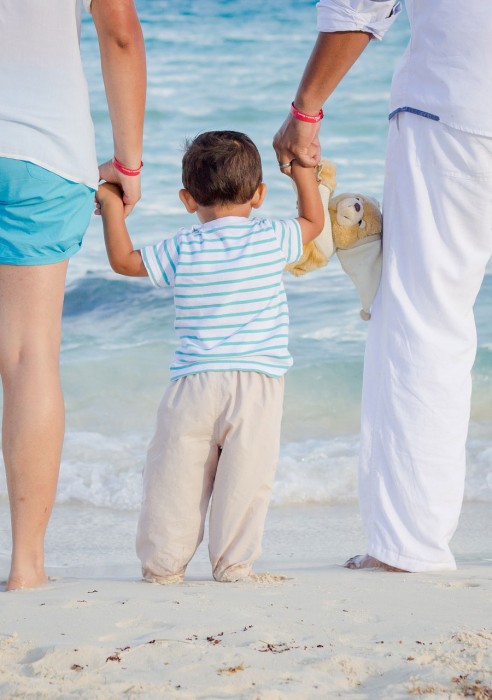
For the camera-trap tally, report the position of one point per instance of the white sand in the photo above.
(99, 632)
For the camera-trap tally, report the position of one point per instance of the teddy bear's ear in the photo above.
(363, 265)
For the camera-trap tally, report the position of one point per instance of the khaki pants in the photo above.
(217, 437)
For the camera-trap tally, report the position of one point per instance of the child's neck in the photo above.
(218, 211)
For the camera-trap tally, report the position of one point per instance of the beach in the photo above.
(308, 628)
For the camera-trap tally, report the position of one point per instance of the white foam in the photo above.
(317, 471)
(107, 472)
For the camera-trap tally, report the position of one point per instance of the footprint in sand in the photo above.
(267, 577)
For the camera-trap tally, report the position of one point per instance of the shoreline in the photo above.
(100, 632)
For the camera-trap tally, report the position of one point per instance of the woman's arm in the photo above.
(123, 65)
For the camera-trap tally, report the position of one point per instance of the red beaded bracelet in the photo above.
(124, 170)
(303, 117)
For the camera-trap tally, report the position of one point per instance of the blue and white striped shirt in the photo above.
(231, 307)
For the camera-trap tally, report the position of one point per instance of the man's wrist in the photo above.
(307, 104)
(302, 116)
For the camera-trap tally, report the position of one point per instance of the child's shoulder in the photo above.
(263, 223)
(278, 225)
(188, 233)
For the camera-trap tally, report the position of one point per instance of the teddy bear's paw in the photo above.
(295, 269)
(326, 172)
(311, 259)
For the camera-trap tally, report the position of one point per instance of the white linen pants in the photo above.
(437, 240)
(217, 437)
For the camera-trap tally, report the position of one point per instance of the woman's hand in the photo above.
(129, 184)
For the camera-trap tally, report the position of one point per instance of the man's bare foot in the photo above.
(365, 561)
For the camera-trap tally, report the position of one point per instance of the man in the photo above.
(437, 243)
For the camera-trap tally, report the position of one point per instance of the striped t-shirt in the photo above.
(231, 307)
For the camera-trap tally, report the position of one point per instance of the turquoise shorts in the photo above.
(43, 217)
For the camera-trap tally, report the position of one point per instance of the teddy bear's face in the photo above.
(353, 217)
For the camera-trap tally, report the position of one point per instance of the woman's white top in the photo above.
(445, 72)
(44, 102)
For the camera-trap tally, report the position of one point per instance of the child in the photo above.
(218, 425)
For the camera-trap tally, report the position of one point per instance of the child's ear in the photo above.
(190, 204)
(259, 196)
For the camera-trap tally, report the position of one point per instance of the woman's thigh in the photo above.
(31, 302)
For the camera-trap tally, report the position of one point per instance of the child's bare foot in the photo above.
(365, 561)
(163, 580)
(237, 575)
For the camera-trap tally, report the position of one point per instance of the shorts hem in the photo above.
(40, 260)
(74, 179)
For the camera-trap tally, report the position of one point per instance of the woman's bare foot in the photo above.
(32, 580)
(365, 561)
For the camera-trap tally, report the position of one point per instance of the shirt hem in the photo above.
(450, 123)
(174, 377)
(474, 131)
(414, 110)
(56, 171)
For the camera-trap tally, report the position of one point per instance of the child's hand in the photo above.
(108, 195)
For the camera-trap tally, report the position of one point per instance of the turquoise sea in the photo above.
(218, 64)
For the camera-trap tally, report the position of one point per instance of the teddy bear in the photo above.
(353, 229)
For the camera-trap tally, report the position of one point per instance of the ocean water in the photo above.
(219, 64)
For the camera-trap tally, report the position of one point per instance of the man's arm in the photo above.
(123, 65)
(346, 27)
(333, 55)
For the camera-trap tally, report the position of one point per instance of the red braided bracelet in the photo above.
(124, 170)
(303, 117)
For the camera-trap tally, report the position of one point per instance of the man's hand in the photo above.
(297, 140)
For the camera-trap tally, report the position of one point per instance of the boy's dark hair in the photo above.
(221, 167)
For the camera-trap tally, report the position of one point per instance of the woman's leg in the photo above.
(31, 301)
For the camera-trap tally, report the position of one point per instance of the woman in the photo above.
(48, 174)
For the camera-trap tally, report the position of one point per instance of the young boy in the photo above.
(218, 426)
